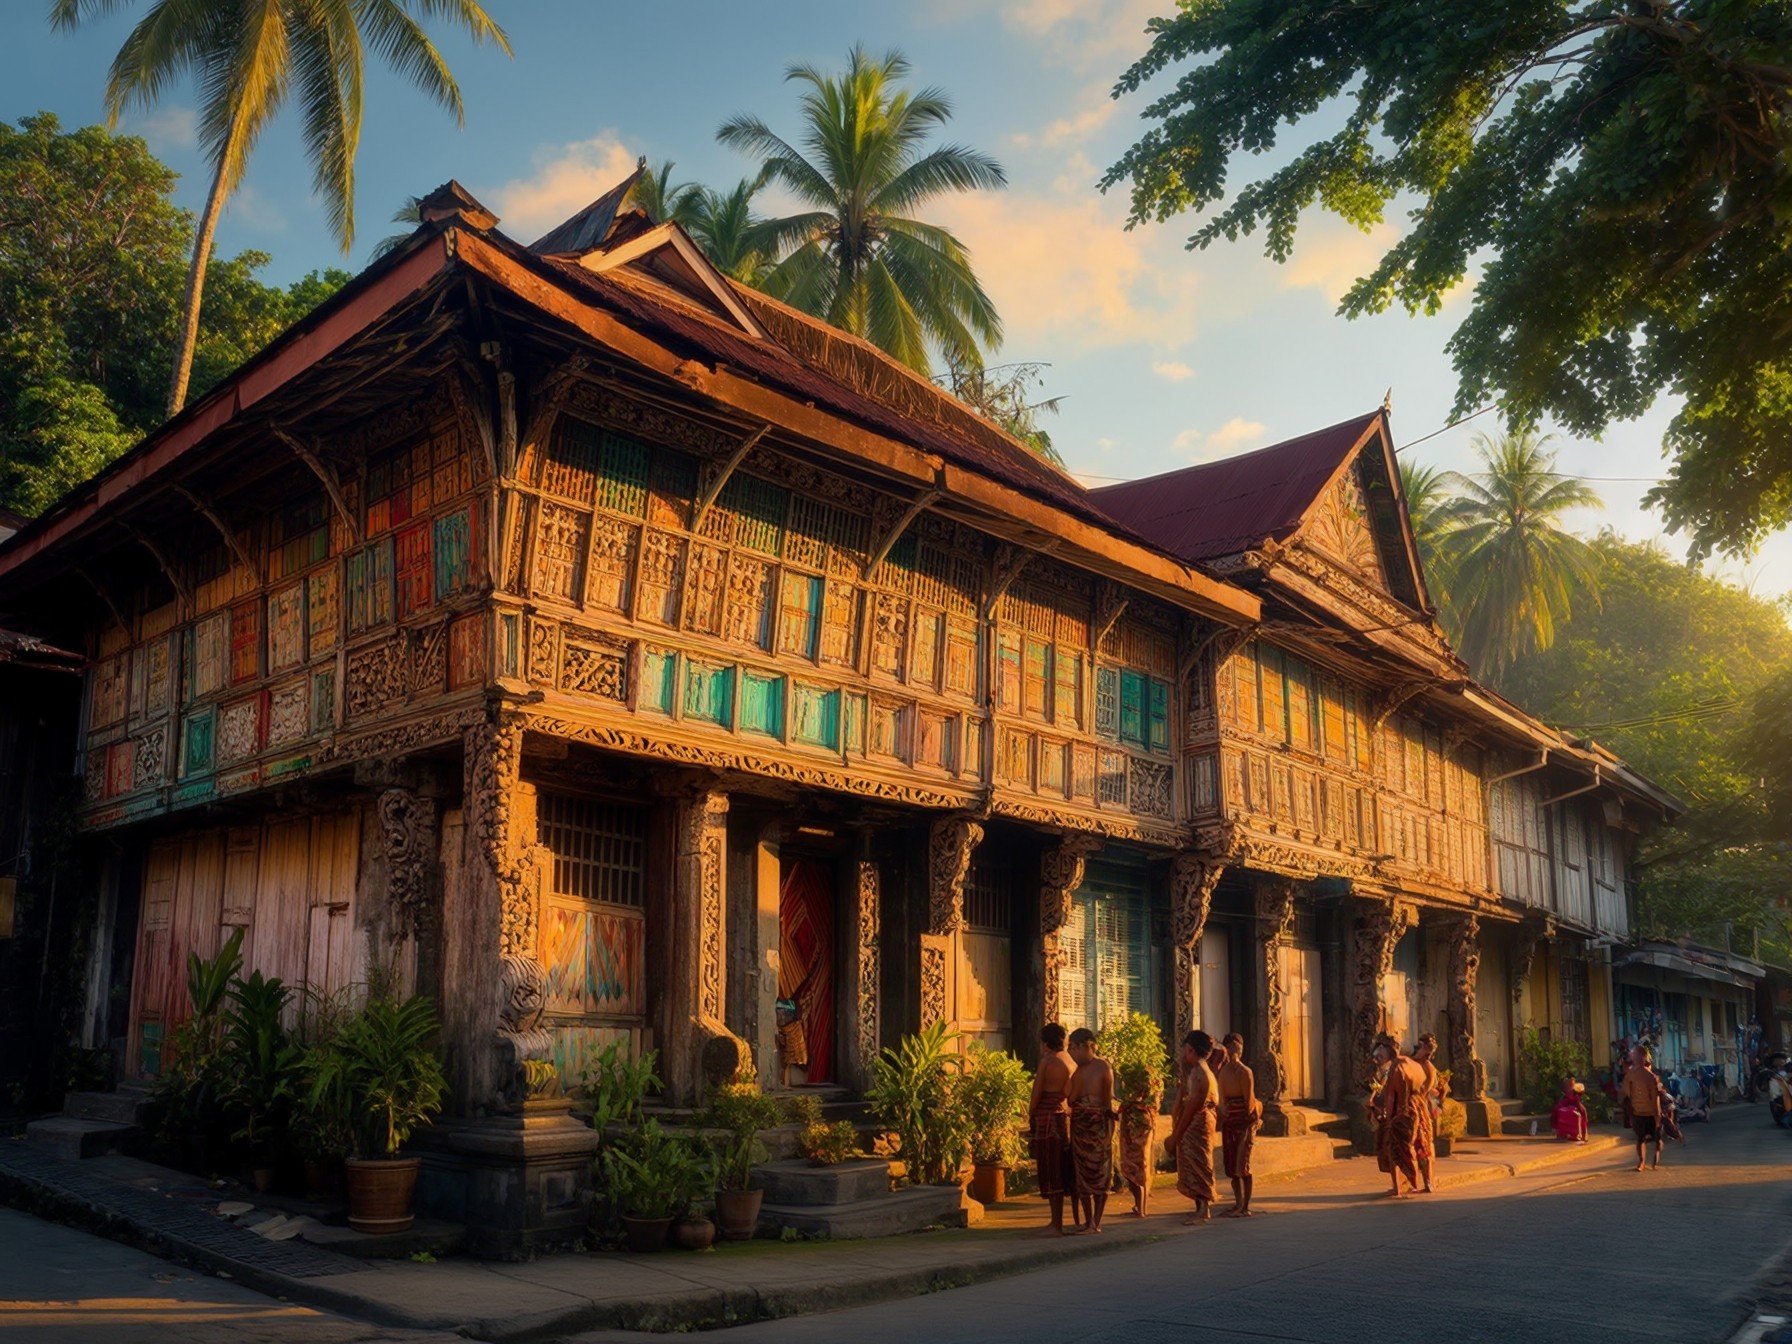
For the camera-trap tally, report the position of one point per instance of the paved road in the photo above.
(60, 1286)
(1588, 1252)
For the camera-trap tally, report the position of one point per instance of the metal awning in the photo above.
(1684, 965)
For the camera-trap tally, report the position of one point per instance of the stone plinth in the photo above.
(851, 1200)
(797, 1182)
(518, 1183)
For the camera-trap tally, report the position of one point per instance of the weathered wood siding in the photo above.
(1565, 858)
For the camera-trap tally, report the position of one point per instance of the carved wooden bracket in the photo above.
(1380, 926)
(1385, 703)
(950, 846)
(1531, 934)
(99, 592)
(720, 479)
(919, 505)
(550, 398)
(1193, 877)
(1111, 601)
(1274, 901)
(1468, 1075)
(1222, 642)
(224, 530)
(169, 572)
(326, 475)
(1060, 875)
(1009, 563)
(407, 824)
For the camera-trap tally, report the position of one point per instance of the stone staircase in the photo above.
(1334, 1126)
(92, 1123)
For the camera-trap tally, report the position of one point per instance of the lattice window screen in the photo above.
(599, 848)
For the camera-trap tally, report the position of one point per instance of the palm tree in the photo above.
(410, 213)
(664, 202)
(857, 256)
(730, 234)
(1512, 572)
(249, 57)
(1429, 492)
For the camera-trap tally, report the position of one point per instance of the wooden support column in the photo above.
(699, 1048)
(1060, 875)
(1376, 930)
(861, 1038)
(950, 845)
(1274, 898)
(1468, 1075)
(1193, 878)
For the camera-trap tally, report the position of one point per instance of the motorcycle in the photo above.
(1779, 1098)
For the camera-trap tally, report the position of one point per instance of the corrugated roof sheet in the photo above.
(1221, 508)
(591, 225)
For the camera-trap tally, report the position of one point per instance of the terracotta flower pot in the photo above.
(646, 1234)
(380, 1191)
(989, 1183)
(737, 1213)
(262, 1178)
(694, 1234)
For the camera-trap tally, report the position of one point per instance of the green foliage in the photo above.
(1542, 1064)
(91, 276)
(1599, 1106)
(1617, 173)
(1134, 1047)
(191, 1094)
(264, 1062)
(1000, 394)
(384, 1059)
(855, 254)
(249, 57)
(1672, 671)
(915, 1091)
(993, 1096)
(323, 1117)
(827, 1145)
(615, 1082)
(654, 1174)
(1452, 1120)
(740, 1111)
(1507, 572)
(803, 1110)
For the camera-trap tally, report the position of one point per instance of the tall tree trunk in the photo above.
(189, 318)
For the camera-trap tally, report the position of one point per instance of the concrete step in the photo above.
(119, 1108)
(906, 1210)
(67, 1137)
(798, 1183)
(1521, 1124)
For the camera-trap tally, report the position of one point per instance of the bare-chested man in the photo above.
(1092, 1116)
(1401, 1097)
(1051, 1123)
(1240, 1115)
(1191, 1133)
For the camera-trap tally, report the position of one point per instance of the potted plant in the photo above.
(653, 1177)
(739, 1111)
(915, 1092)
(191, 1121)
(384, 1060)
(1452, 1124)
(828, 1145)
(993, 1095)
(1134, 1046)
(322, 1121)
(264, 1067)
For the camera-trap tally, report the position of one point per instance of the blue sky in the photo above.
(1163, 357)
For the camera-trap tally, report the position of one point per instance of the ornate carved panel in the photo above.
(950, 845)
(866, 895)
(1061, 869)
(1468, 1074)
(1193, 878)
(1275, 916)
(1379, 927)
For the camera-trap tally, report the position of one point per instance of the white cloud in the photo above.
(1236, 433)
(1173, 369)
(1073, 129)
(168, 129)
(567, 178)
(1085, 34)
(1331, 255)
(1063, 270)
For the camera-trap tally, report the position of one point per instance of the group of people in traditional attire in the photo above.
(1407, 1100)
(1074, 1120)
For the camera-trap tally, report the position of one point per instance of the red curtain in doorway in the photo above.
(806, 957)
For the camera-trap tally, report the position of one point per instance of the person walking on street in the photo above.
(1191, 1134)
(1051, 1126)
(1092, 1116)
(1240, 1115)
(1643, 1094)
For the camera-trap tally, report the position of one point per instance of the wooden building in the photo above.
(613, 652)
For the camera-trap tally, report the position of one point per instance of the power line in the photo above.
(1490, 406)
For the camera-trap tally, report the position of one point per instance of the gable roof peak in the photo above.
(452, 202)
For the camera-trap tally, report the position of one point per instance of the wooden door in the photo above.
(1216, 983)
(806, 957)
(155, 972)
(1303, 1023)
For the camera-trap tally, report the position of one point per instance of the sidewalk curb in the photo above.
(1496, 1169)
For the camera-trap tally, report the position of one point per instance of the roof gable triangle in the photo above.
(665, 255)
(1359, 522)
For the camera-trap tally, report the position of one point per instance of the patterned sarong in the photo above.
(1091, 1147)
(1424, 1139)
(1194, 1158)
(1238, 1135)
(1403, 1139)
(1051, 1144)
(1138, 1137)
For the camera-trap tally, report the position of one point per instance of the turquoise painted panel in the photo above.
(369, 586)
(196, 746)
(659, 680)
(855, 724)
(622, 483)
(709, 694)
(454, 553)
(762, 704)
(815, 716)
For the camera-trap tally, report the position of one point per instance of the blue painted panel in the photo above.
(815, 716)
(709, 694)
(659, 681)
(762, 704)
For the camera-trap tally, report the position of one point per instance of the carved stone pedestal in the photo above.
(518, 1183)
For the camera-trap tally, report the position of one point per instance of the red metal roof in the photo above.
(1222, 508)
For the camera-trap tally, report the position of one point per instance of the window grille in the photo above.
(599, 848)
(989, 896)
